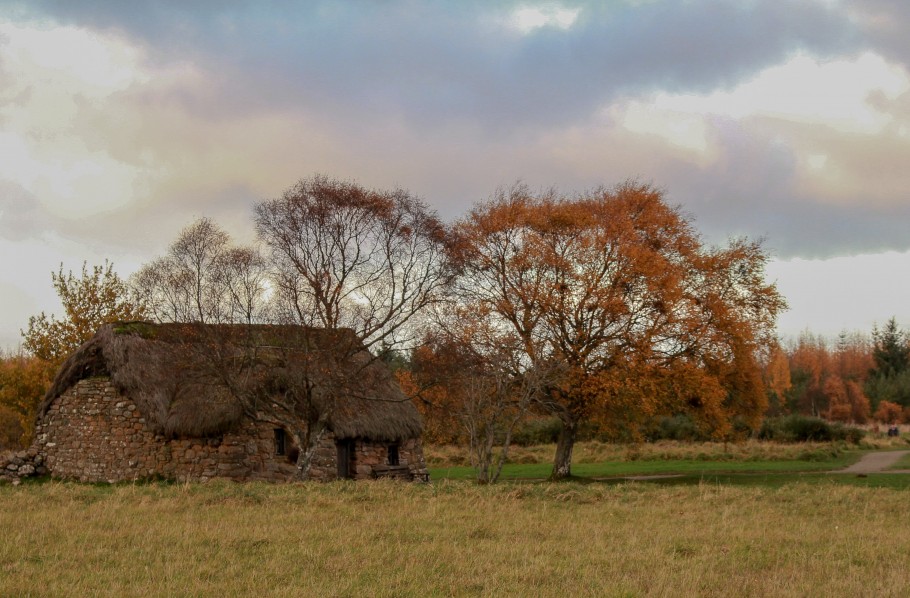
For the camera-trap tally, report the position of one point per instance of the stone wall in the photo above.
(92, 433)
(371, 457)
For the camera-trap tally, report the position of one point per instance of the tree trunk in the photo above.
(305, 460)
(562, 463)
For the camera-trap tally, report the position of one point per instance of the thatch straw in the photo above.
(195, 381)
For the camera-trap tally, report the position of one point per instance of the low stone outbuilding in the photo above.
(193, 402)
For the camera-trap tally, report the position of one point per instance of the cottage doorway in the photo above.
(345, 458)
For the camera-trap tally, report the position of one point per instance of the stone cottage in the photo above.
(191, 402)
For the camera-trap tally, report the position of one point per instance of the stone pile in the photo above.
(14, 466)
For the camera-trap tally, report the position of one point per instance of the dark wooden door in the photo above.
(345, 458)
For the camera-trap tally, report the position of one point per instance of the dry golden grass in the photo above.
(881, 442)
(452, 539)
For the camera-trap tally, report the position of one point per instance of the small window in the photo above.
(280, 442)
(393, 454)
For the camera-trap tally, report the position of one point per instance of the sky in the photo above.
(786, 120)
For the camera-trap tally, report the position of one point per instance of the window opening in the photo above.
(280, 442)
(393, 458)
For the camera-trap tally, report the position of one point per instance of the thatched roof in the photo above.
(192, 380)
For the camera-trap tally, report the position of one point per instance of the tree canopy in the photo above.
(891, 351)
(23, 381)
(205, 278)
(347, 256)
(615, 295)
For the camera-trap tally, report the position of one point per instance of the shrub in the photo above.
(678, 427)
(849, 434)
(888, 413)
(11, 430)
(801, 428)
(543, 430)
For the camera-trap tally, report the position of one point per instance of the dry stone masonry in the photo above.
(14, 466)
(92, 433)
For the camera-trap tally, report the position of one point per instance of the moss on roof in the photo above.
(186, 378)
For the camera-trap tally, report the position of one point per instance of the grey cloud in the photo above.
(135, 229)
(752, 191)
(884, 25)
(479, 95)
(433, 63)
(117, 230)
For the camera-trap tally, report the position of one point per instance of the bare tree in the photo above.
(165, 290)
(288, 376)
(243, 274)
(354, 259)
(203, 278)
(346, 256)
(479, 373)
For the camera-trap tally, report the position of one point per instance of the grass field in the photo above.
(741, 520)
(599, 452)
(454, 538)
(662, 467)
(902, 463)
(601, 460)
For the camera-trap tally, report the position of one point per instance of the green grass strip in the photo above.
(662, 467)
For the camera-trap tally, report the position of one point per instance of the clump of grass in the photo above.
(880, 442)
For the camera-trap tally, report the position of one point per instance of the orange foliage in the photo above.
(777, 373)
(860, 409)
(835, 393)
(853, 357)
(90, 300)
(23, 382)
(889, 413)
(437, 404)
(11, 431)
(832, 381)
(617, 287)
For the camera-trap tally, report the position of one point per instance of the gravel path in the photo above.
(875, 462)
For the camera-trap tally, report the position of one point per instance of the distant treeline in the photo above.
(854, 378)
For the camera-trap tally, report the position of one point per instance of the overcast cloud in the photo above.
(120, 122)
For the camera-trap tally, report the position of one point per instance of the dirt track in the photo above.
(876, 462)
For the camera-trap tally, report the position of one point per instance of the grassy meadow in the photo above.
(748, 520)
(596, 460)
(453, 538)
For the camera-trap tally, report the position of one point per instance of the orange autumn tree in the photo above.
(888, 413)
(97, 296)
(828, 382)
(437, 402)
(23, 381)
(851, 363)
(777, 379)
(810, 364)
(613, 293)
